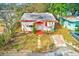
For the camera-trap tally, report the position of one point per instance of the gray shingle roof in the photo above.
(36, 16)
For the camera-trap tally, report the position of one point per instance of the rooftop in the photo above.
(37, 16)
(72, 18)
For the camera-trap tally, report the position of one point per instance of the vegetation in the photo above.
(29, 41)
(77, 30)
(4, 39)
(37, 7)
(61, 9)
(58, 9)
(34, 29)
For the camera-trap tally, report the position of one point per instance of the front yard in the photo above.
(27, 42)
(30, 41)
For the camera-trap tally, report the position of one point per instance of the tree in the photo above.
(10, 28)
(58, 9)
(37, 7)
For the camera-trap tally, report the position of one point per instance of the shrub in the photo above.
(4, 38)
(34, 29)
(77, 30)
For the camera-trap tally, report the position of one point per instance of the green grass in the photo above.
(29, 42)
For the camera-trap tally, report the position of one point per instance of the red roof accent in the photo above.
(28, 20)
(39, 22)
(38, 19)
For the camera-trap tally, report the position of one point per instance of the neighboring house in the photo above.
(45, 20)
(70, 22)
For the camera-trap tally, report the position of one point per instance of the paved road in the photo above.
(62, 51)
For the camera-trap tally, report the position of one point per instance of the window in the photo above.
(49, 23)
(29, 25)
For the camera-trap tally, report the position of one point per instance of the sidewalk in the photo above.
(58, 40)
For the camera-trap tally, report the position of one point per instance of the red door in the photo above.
(39, 27)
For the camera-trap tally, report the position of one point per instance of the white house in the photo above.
(28, 19)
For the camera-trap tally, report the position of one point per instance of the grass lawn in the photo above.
(29, 42)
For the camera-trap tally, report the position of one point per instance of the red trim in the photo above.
(28, 20)
(38, 19)
(39, 22)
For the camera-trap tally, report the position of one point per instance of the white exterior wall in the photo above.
(51, 25)
(25, 26)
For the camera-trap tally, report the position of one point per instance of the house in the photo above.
(42, 21)
(70, 22)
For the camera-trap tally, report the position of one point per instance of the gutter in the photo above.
(71, 20)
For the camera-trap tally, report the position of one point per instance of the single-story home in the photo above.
(70, 22)
(45, 21)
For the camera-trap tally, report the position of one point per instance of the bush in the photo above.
(4, 38)
(51, 46)
(34, 29)
(77, 30)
